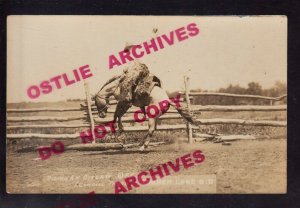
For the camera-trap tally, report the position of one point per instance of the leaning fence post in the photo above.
(89, 105)
(187, 91)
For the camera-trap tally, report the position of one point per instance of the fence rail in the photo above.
(130, 120)
(27, 110)
(195, 109)
(235, 95)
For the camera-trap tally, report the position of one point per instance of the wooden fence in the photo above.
(89, 117)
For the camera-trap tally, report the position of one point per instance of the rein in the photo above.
(106, 98)
(106, 105)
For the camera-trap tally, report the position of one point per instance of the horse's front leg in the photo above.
(121, 109)
(118, 120)
(146, 140)
(119, 137)
(119, 128)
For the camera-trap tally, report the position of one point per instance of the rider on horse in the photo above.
(136, 82)
(132, 76)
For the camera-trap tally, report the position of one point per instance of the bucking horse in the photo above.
(112, 89)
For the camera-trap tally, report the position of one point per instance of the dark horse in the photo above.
(112, 88)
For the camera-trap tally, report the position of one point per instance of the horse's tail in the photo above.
(183, 111)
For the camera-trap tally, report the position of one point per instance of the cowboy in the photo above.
(132, 76)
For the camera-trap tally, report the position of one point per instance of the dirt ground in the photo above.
(257, 166)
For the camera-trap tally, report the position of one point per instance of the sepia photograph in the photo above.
(146, 104)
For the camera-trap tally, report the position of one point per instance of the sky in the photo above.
(228, 50)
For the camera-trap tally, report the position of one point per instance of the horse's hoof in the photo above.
(142, 148)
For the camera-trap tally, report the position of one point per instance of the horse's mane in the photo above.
(111, 80)
(155, 79)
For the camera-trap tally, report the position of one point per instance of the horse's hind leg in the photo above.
(146, 140)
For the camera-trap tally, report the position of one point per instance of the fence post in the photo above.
(189, 126)
(89, 105)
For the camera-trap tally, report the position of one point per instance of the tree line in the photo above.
(253, 88)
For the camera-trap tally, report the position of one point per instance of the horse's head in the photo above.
(106, 91)
(102, 105)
